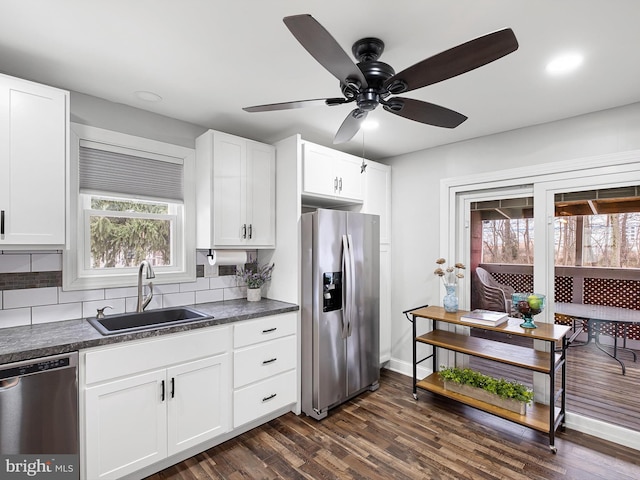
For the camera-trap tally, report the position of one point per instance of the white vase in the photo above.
(253, 294)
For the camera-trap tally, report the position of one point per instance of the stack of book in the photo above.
(485, 317)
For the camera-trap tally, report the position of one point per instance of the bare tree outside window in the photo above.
(507, 241)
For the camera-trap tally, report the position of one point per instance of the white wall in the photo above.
(416, 187)
(96, 112)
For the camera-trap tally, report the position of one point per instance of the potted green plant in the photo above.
(508, 394)
(254, 277)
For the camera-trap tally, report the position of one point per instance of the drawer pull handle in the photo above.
(267, 362)
(269, 330)
(162, 395)
(266, 399)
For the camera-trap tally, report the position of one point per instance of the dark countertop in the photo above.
(24, 343)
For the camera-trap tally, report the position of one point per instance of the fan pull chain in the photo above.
(363, 167)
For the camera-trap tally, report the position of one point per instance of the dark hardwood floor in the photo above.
(388, 435)
(596, 387)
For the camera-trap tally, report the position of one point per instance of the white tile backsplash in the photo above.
(124, 292)
(56, 313)
(234, 293)
(168, 288)
(15, 318)
(46, 262)
(223, 282)
(132, 303)
(205, 296)
(89, 309)
(199, 284)
(50, 304)
(30, 297)
(79, 295)
(15, 262)
(178, 299)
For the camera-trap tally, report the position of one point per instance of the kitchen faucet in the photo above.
(144, 301)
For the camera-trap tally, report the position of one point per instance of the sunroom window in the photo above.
(129, 204)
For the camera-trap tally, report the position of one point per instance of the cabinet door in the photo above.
(261, 195)
(385, 303)
(126, 425)
(229, 194)
(33, 160)
(317, 170)
(199, 402)
(377, 196)
(347, 171)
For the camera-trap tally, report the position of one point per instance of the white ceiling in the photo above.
(209, 58)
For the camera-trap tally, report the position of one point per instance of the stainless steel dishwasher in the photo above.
(39, 406)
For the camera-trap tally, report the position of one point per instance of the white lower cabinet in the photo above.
(144, 401)
(198, 405)
(264, 366)
(125, 426)
(135, 419)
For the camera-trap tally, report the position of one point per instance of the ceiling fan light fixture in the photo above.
(564, 63)
(369, 124)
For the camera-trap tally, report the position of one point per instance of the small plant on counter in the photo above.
(253, 275)
(501, 387)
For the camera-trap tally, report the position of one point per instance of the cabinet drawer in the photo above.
(133, 357)
(263, 360)
(263, 329)
(262, 398)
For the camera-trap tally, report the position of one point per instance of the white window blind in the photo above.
(104, 171)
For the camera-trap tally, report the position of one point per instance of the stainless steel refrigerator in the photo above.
(340, 308)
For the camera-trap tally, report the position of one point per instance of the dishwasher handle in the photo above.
(9, 383)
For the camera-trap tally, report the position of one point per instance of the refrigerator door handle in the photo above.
(351, 285)
(346, 281)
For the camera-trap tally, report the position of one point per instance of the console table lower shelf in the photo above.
(537, 416)
(549, 361)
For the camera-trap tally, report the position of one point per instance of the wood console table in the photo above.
(541, 417)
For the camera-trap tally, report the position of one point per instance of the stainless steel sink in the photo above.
(147, 320)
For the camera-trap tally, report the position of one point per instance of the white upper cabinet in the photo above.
(328, 173)
(235, 192)
(34, 131)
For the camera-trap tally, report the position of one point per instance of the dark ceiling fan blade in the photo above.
(324, 48)
(297, 104)
(424, 112)
(455, 61)
(350, 126)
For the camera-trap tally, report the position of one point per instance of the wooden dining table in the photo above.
(596, 315)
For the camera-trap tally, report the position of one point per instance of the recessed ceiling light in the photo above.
(564, 63)
(369, 124)
(148, 96)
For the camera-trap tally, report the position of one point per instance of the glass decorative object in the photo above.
(528, 304)
(450, 300)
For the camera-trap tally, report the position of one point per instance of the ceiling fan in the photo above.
(371, 83)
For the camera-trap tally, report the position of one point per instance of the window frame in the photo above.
(75, 275)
